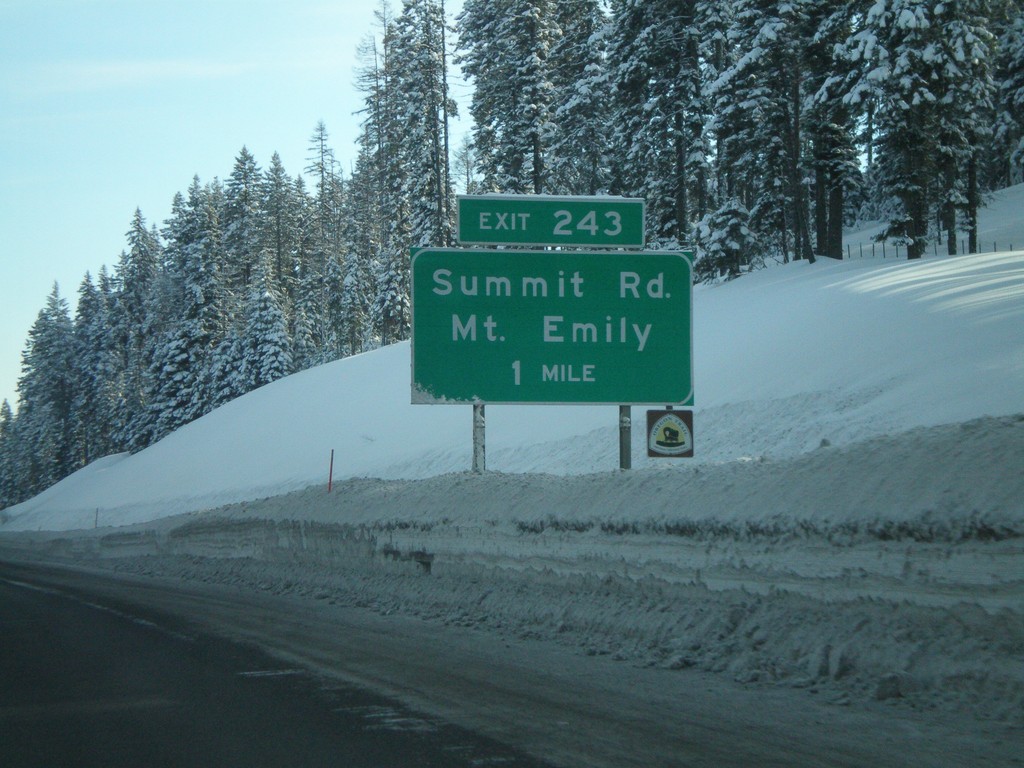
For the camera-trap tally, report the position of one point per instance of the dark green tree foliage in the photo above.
(267, 344)
(925, 68)
(580, 139)
(420, 77)
(659, 112)
(280, 214)
(183, 361)
(727, 241)
(831, 126)
(1007, 159)
(97, 373)
(132, 325)
(241, 224)
(9, 450)
(364, 238)
(46, 389)
(506, 47)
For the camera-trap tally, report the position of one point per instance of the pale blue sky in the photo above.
(111, 105)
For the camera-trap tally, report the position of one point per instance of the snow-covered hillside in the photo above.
(852, 520)
(784, 358)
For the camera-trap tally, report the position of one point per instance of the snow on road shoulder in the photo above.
(884, 570)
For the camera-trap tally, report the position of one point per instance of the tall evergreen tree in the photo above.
(96, 372)
(831, 123)
(580, 139)
(46, 397)
(505, 47)
(1008, 162)
(364, 238)
(182, 365)
(897, 76)
(420, 138)
(133, 325)
(9, 492)
(267, 345)
(242, 224)
(280, 222)
(660, 112)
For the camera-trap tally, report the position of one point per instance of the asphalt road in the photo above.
(144, 680)
(90, 681)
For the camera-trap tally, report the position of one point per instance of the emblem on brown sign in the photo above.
(670, 434)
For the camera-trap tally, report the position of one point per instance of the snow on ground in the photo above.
(852, 522)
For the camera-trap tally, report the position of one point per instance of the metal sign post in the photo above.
(572, 325)
(479, 439)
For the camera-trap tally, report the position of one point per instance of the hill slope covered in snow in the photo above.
(784, 359)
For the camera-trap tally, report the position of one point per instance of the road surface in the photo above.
(538, 698)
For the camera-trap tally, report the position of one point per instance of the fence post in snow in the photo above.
(330, 472)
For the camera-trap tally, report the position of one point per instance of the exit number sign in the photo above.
(593, 222)
(500, 326)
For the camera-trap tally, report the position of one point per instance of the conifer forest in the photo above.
(754, 129)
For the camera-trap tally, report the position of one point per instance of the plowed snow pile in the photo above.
(852, 523)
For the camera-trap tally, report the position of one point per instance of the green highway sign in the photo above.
(536, 220)
(500, 326)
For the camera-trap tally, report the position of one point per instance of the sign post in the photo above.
(552, 327)
(568, 325)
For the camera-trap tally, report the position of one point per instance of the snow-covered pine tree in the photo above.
(419, 77)
(229, 376)
(384, 185)
(334, 319)
(241, 223)
(726, 242)
(963, 57)
(1007, 164)
(46, 397)
(182, 363)
(96, 372)
(391, 309)
(9, 493)
(135, 278)
(763, 90)
(714, 20)
(830, 124)
(363, 245)
(659, 112)
(328, 196)
(266, 343)
(325, 241)
(505, 47)
(895, 51)
(280, 221)
(578, 161)
(369, 229)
